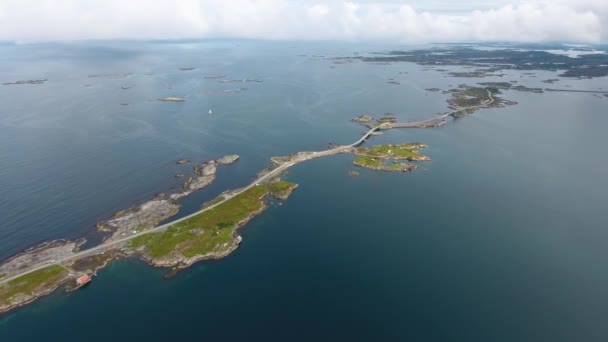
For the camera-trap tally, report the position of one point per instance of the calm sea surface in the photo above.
(501, 237)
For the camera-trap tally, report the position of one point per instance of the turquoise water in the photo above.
(500, 237)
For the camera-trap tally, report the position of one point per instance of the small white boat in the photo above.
(210, 112)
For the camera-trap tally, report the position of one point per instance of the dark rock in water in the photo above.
(186, 69)
(172, 273)
(124, 88)
(407, 167)
(26, 82)
(111, 75)
(124, 104)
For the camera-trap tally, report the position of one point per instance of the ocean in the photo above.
(500, 237)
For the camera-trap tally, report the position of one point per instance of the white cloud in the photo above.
(47, 20)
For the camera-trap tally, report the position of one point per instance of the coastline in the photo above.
(278, 166)
(175, 262)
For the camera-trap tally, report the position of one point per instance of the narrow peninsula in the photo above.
(212, 231)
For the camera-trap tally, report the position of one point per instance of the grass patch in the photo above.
(368, 162)
(363, 119)
(93, 262)
(403, 151)
(31, 282)
(140, 240)
(470, 97)
(386, 119)
(212, 230)
(394, 167)
(376, 157)
(214, 201)
(3, 275)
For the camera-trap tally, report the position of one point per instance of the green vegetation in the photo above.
(281, 188)
(141, 240)
(211, 231)
(363, 119)
(404, 151)
(2, 275)
(27, 284)
(376, 156)
(386, 119)
(372, 163)
(493, 90)
(93, 262)
(214, 201)
(395, 167)
(497, 85)
(470, 97)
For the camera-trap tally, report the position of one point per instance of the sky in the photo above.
(402, 21)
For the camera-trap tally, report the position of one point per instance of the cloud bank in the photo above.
(50, 20)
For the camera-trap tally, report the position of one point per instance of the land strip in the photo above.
(201, 235)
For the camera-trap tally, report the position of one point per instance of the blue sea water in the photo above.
(500, 237)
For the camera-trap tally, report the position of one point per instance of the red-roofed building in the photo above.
(83, 280)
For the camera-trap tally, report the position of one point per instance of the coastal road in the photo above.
(271, 174)
(440, 120)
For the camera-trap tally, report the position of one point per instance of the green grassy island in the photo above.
(28, 287)
(376, 158)
(407, 151)
(363, 119)
(211, 234)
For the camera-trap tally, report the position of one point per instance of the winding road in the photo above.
(271, 174)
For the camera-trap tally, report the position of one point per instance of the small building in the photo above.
(83, 280)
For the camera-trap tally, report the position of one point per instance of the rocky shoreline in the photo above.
(179, 262)
(163, 206)
(25, 299)
(132, 220)
(395, 167)
(211, 234)
(177, 259)
(375, 158)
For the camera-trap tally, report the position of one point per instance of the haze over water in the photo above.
(500, 238)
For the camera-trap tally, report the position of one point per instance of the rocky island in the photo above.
(171, 99)
(490, 62)
(376, 158)
(41, 81)
(149, 214)
(363, 119)
(210, 235)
